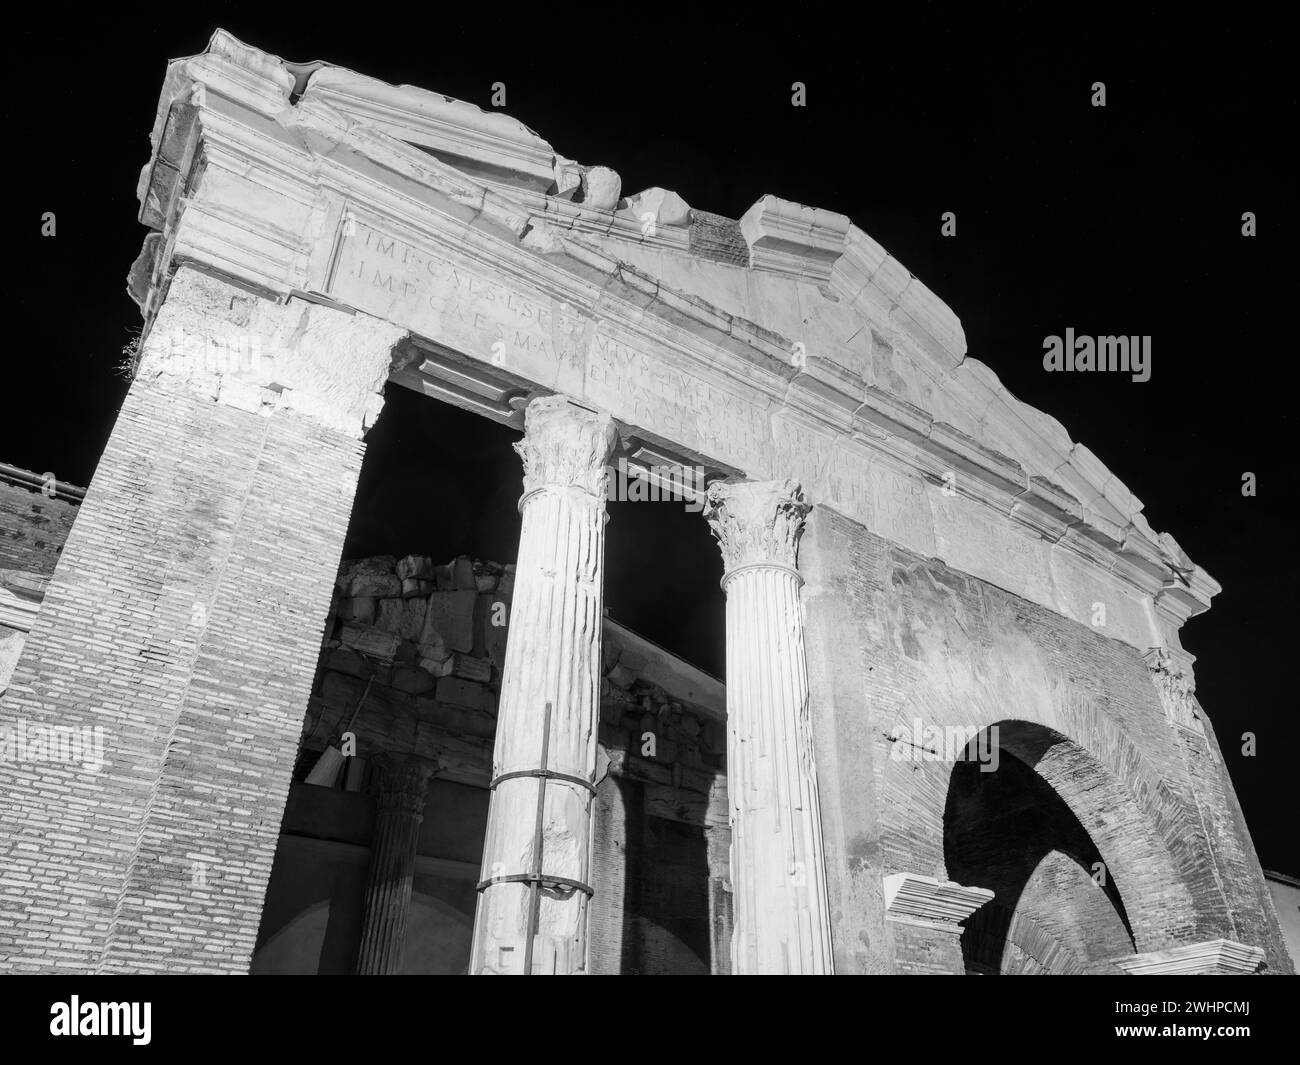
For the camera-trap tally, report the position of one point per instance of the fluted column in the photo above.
(403, 786)
(782, 917)
(552, 656)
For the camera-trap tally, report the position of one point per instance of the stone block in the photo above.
(470, 668)
(412, 680)
(360, 610)
(369, 641)
(485, 582)
(344, 660)
(415, 567)
(375, 564)
(437, 667)
(380, 565)
(432, 646)
(621, 677)
(506, 585)
(414, 586)
(375, 585)
(404, 618)
(463, 570)
(461, 692)
(450, 616)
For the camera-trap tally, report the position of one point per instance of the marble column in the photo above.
(403, 785)
(552, 657)
(782, 916)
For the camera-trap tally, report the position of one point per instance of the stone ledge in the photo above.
(931, 903)
(1213, 957)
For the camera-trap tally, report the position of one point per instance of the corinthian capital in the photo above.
(756, 522)
(404, 782)
(565, 445)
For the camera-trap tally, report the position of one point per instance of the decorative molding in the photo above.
(488, 143)
(756, 523)
(17, 612)
(931, 903)
(1217, 957)
(791, 238)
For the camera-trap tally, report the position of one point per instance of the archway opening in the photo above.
(1057, 905)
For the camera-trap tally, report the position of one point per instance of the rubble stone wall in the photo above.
(423, 644)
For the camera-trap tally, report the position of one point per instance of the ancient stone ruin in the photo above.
(958, 732)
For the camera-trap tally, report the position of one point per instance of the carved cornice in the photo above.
(1214, 957)
(756, 523)
(792, 238)
(923, 900)
(565, 446)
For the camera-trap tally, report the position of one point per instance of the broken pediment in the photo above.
(784, 342)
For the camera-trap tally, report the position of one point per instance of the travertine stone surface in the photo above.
(934, 903)
(782, 917)
(553, 655)
(259, 356)
(1219, 957)
(404, 783)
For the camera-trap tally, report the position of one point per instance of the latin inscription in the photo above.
(445, 301)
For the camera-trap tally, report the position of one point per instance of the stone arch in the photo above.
(1113, 812)
(437, 938)
(960, 654)
(294, 950)
(1040, 823)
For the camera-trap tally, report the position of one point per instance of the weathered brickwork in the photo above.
(894, 639)
(718, 238)
(184, 620)
(33, 528)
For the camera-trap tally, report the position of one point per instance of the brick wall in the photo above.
(33, 528)
(184, 619)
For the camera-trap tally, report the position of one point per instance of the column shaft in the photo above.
(782, 916)
(552, 656)
(392, 867)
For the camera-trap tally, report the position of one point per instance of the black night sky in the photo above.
(1117, 220)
